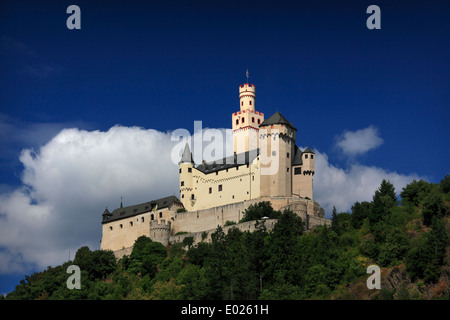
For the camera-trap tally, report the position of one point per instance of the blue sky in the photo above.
(371, 103)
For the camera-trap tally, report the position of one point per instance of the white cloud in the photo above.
(358, 142)
(68, 182)
(342, 187)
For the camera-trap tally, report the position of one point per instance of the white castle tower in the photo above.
(245, 123)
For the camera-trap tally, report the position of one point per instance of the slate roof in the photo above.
(277, 118)
(297, 158)
(187, 155)
(229, 162)
(126, 212)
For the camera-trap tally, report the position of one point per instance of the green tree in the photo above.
(445, 184)
(425, 260)
(334, 220)
(415, 192)
(259, 210)
(383, 200)
(360, 211)
(282, 254)
(393, 249)
(433, 206)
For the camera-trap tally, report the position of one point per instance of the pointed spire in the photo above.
(106, 212)
(187, 155)
(121, 204)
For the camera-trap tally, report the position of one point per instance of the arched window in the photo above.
(253, 119)
(243, 120)
(152, 217)
(160, 214)
(250, 102)
(259, 121)
(237, 121)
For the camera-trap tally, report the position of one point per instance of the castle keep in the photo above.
(266, 165)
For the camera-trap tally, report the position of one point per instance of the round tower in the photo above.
(247, 95)
(186, 168)
(160, 231)
(246, 121)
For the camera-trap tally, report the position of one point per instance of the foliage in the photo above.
(286, 262)
(259, 210)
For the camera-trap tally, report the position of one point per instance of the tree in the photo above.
(424, 261)
(415, 191)
(259, 210)
(282, 254)
(360, 211)
(146, 256)
(393, 249)
(383, 200)
(334, 220)
(433, 206)
(445, 184)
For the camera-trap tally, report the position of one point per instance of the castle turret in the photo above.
(277, 146)
(245, 123)
(160, 231)
(186, 167)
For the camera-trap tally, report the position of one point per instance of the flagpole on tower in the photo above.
(246, 73)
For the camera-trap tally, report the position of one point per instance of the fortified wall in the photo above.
(201, 224)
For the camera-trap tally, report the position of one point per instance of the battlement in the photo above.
(249, 110)
(160, 231)
(160, 224)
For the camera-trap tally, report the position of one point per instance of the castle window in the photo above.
(312, 156)
(298, 170)
(121, 226)
(287, 169)
(189, 169)
(220, 187)
(306, 156)
(142, 219)
(131, 223)
(259, 121)
(253, 119)
(192, 197)
(250, 102)
(160, 214)
(180, 170)
(237, 121)
(210, 190)
(182, 196)
(232, 197)
(242, 103)
(287, 155)
(243, 120)
(152, 217)
(182, 183)
(110, 228)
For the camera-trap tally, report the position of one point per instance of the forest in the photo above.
(405, 234)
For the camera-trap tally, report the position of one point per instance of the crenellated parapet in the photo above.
(160, 231)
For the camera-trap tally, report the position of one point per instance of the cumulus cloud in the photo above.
(68, 181)
(358, 142)
(342, 187)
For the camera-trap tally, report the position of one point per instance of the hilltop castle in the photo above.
(266, 165)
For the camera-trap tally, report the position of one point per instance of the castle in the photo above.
(266, 165)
